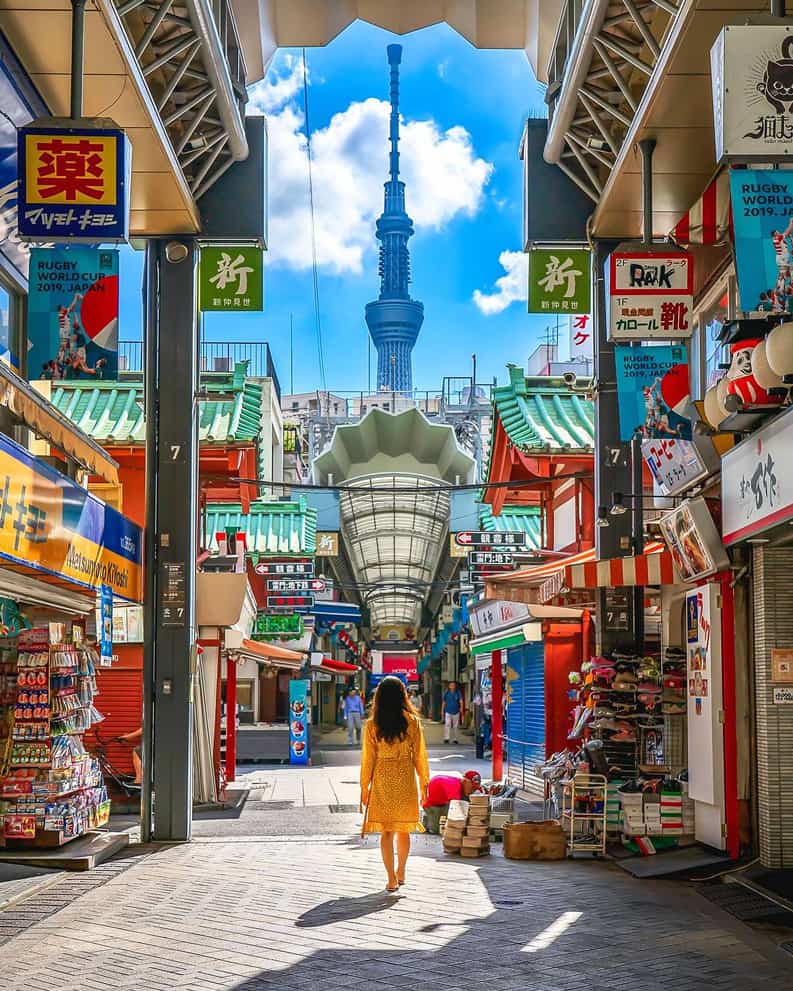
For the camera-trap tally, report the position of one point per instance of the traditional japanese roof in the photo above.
(541, 414)
(274, 528)
(526, 519)
(112, 412)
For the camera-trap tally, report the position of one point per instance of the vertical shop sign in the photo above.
(675, 465)
(752, 76)
(231, 279)
(73, 314)
(582, 340)
(651, 296)
(560, 280)
(762, 216)
(173, 602)
(653, 392)
(106, 626)
(704, 694)
(299, 719)
(74, 183)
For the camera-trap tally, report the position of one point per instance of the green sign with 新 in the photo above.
(560, 280)
(231, 278)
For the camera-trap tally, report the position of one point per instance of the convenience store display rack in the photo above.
(51, 788)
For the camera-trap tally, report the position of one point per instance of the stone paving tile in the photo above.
(253, 915)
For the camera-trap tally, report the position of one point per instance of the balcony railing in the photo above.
(215, 356)
(456, 395)
(190, 56)
(602, 61)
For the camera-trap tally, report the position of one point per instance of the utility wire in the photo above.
(315, 274)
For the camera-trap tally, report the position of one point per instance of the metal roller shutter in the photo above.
(525, 687)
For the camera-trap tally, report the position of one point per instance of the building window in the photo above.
(709, 356)
(295, 404)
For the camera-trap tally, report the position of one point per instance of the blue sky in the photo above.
(463, 112)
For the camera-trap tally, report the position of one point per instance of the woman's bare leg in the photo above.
(387, 853)
(403, 849)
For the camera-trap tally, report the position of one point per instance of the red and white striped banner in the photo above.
(709, 220)
(654, 567)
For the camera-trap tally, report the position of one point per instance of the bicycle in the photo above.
(125, 782)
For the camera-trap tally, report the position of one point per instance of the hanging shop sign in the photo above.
(327, 544)
(705, 705)
(675, 465)
(487, 538)
(762, 212)
(50, 524)
(478, 559)
(231, 278)
(294, 603)
(295, 584)
(491, 617)
(582, 340)
(560, 280)
(653, 392)
(74, 182)
(285, 569)
(782, 665)
(106, 626)
(299, 720)
(756, 485)
(73, 314)
(693, 540)
(751, 73)
(651, 296)
(268, 626)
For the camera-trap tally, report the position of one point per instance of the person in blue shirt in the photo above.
(353, 710)
(451, 710)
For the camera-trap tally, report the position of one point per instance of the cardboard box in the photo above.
(477, 801)
(470, 852)
(480, 831)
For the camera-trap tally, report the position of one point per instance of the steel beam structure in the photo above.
(171, 531)
(190, 55)
(596, 82)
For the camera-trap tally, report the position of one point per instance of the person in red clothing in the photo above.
(445, 788)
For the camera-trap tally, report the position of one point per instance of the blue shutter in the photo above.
(525, 710)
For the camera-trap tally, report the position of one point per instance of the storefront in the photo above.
(59, 548)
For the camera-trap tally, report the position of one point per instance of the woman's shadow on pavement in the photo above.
(346, 909)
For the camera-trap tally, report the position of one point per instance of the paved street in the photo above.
(238, 909)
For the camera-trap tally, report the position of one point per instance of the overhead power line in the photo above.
(315, 274)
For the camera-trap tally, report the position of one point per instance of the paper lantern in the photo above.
(779, 351)
(764, 375)
(715, 410)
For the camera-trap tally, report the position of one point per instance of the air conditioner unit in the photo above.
(123, 362)
(222, 364)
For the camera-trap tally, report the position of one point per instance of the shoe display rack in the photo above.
(584, 804)
(51, 788)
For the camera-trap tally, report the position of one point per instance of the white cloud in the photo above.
(444, 176)
(443, 68)
(510, 288)
(281, 84)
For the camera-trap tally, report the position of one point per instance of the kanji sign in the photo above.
(74, 184)
(281, 625)
(559, 280)
(285, 569)
(296, 585)
(487, 538)
(294, 603)
(489, 558)
(651, 296)
(231, 278)
(327, 544)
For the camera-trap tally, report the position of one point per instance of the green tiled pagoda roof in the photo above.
(522, 518)
(541, 414)
(276, 528)
(112, 412)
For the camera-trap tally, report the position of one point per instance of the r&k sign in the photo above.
(651, 296)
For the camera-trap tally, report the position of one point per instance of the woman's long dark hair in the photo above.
(392, 710)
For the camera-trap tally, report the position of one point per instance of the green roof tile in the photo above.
(541, 414)
(522, 518)
(275, 528)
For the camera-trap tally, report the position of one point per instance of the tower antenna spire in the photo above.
(394, 59)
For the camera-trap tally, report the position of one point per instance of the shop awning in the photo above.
(525, 632)
(337, 612)
(709, 219)
(272, 654)
(654, 567)
(337, 667)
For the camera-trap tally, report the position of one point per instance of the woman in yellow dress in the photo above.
(393, 754)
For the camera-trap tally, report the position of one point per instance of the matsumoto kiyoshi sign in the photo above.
(559, 280)
(752, 78)
(49, 524)
(762, 215)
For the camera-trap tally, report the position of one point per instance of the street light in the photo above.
(618, 507)
(603, 517)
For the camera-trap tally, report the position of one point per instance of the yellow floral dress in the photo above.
(390, 770)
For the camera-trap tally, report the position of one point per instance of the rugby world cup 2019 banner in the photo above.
(73, 314)
(49, 524)
(762, 217)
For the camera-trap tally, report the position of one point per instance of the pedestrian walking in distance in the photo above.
(394, 755)
(451, 710)
(353, 714)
